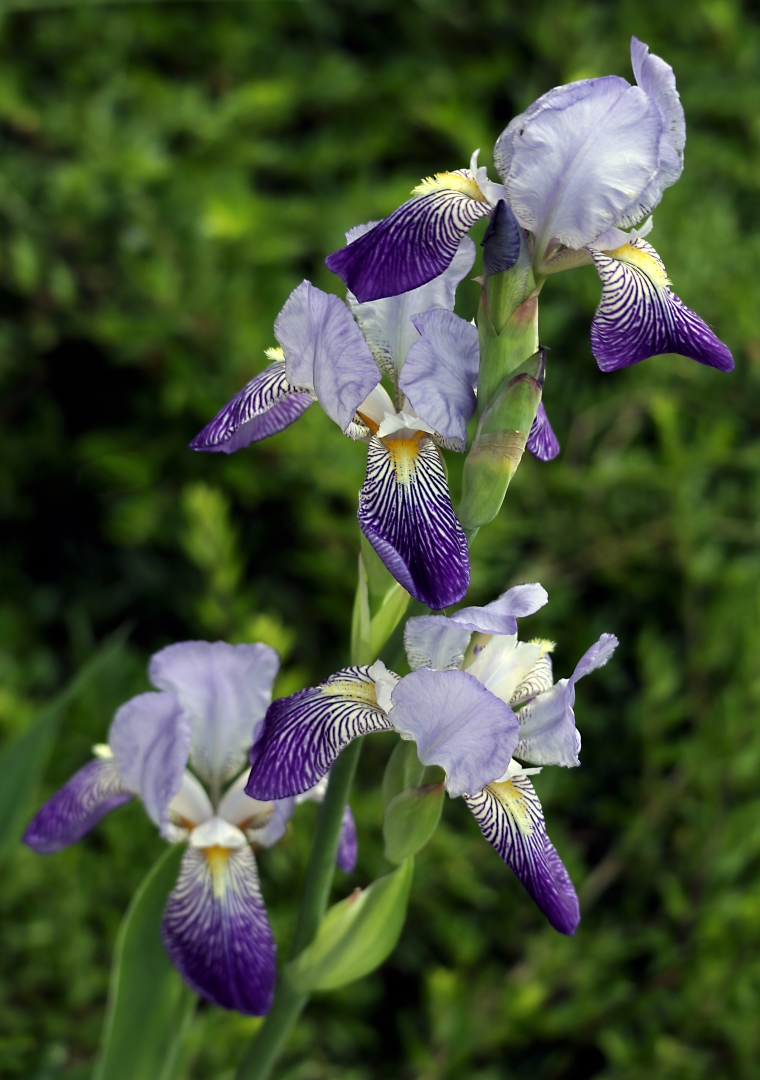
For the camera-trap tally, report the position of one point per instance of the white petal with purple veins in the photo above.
(500, 616)
(433, 641)
(441, 372)
(77, 807)
(542, 442)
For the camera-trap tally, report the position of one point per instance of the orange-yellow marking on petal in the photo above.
(642, 260)
(404, 454)
(370, 423)
(217, 857)
(450, 181)
(513, 801)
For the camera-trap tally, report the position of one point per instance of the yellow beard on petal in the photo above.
(450, 181)
(642, 260)
(356, 689)
(404, 454)
(513, 801)
(217, 857)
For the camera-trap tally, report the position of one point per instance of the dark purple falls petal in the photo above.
(542, 442)
(638, 315)
(79, 805)
(216, 931)
(406, 514)
(416, 243)
(304, 733)
(263, 407)
(512, 821)
(348, 844)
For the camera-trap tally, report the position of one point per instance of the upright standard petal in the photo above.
(433, 641)
(150, 740)
(304, 733)
(417, 242)
(324, 349)
(501, 615)
(345, 858)
(406, 514)
(638, 316)
(216, 932)
(387, 324)
(225, 689)
(77, 807)
(542, 442)
(441, 373)
(268, 404)
(511, 819)
(457, 724)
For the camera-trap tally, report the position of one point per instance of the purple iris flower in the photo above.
(471, 711)
(337, 353)
(583, 163)
(209, 708)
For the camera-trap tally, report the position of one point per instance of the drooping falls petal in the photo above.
(345, 858)
(457, 724)
(324, 350)
(542, 442)
(215, 928)
(511, 819)
(441, 373)
(433, 641)
(406, 514)
(267, 404)
(77, 807)
(304, 733)
(417, 242)
(501, 615)
(638, 315)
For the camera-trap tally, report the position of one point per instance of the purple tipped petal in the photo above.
(226, 690)
(638, 316)
(433, 641)
(345, 858)
(406, 514)
(416, 243)
(502, 240)
(216, 932)
(304, 733)
(512, 821)
(499, 617)
(265, 406)
(457, 724)
(150, 740)
(77, 807)
(324, 349)
(542, 442)
(441, 373)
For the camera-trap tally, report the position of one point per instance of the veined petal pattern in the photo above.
(79, 805)
(542, 442)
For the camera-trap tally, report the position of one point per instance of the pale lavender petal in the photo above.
(638, 315)
(216, 932)
(433, 641)
(77, 807)
(441, 373)
(416, 243)
(304, 733)
(268, 404)
(502, 240)
(324, 349)
(499, 617)
(457, 724)
(386, 324)
(406, 514)
(511, 819)
(345, 858)
(579, 159)
(595, 657)
(542, 442)
(226, 690)
(150, 740)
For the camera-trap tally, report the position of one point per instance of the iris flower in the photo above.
(209, 708)
(336, 354)
(472, 711)
(584, 163)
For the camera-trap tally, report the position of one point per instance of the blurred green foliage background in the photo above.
(168, 173)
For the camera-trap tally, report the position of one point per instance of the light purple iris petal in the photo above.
(216, 932)
(345, 858)
(324, 349)
(457, 724)
(441, 373)
(406, 514)
(638, 315)
(77, 807)
(150, 740)
(386, 324)
(268, 404)
(226, 690)
(512, 821)
(542, 442)
(577, 161)
(304, 733)
(415, 244)
(595, 657)
(433, 641)
(499, 617)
